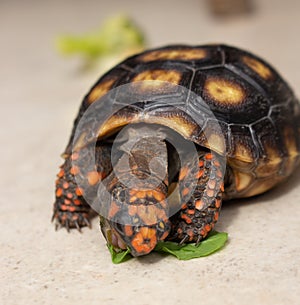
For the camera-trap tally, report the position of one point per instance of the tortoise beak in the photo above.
(143, 241)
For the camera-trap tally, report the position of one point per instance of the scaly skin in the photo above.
(70, 207)
(138, 216)
(200, 209)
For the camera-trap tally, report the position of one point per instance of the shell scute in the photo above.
(257, 114)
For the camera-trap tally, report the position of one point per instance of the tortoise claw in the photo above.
(185, 238)
(198, 240)
(77, 226)
(53, 217)
(70, 220)
(87, 222)
(67, 225)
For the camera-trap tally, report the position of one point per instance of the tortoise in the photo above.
(255, 147)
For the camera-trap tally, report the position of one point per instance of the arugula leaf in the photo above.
(118, 34)
(214, 242)
(120, 256)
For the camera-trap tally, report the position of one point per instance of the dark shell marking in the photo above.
(257, 112)
(254, 106)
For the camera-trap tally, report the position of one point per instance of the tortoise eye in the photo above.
(161, 226)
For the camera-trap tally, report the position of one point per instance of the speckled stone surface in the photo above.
(40, 95)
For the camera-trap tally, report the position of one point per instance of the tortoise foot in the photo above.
(71, 220)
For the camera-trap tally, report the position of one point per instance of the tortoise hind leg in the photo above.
(199, 212)
(71, 209)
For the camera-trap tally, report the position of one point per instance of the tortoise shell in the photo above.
(258, 113)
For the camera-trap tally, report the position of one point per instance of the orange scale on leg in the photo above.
(67, 201)
(203, 233)
(63, 207)
(79, 191)
(191, 212)
(216, 216)
(70, 195)
(72, 208)
(217, 163)
(200, 173)
(184, 206)
(74, 156)
(74, 170)
(218, 203)
(186, 218)
(209, 156)
(61, 173)
(76, 202)
(199, 204)
(219, 174)
(207, 228)
(59, 192)
(211, 184)
(210, 193)
(185, 191)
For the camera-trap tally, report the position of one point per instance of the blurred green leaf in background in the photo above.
(117, 38)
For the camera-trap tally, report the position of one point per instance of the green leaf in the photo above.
(118, 34)
(214, 242)
(120, 256)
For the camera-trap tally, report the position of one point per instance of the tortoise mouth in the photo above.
(142, 242)
(116, 241)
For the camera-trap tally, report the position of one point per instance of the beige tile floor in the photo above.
(40, 94)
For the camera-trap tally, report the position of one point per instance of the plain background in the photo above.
(40, 95)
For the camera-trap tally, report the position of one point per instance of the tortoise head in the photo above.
(138, 213)
(137, 219)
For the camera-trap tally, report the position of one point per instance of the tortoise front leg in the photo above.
(70, 207)
(199, 212)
